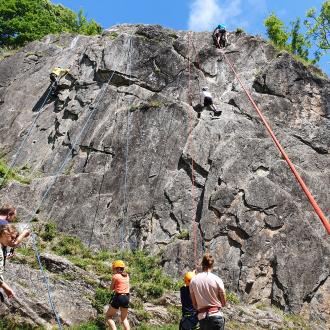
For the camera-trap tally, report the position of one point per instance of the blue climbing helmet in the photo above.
(221, 27)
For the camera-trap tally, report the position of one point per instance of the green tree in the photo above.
(319, 28)
(22, 21)
(299, 43)
(276, 30)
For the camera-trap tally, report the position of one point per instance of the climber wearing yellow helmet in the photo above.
(120, 286)
(189, 320)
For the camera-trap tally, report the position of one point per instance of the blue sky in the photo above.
(197, 15)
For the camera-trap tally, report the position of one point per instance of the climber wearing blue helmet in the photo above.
(220, 36)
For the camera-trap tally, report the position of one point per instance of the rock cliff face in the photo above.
(143, 161)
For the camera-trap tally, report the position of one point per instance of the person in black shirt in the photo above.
(189, 320)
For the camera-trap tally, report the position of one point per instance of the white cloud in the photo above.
(259, 6)
(206, 14)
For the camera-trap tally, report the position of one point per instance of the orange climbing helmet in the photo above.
(188, 276)
(118, 264)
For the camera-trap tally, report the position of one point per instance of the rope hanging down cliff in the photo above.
(33, 124)
(304, 187)
(190, 141)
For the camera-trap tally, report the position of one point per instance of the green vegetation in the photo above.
(298, 42)
(232, 298)
(49, 232)
(113, 35)
(13, 322)
(12, 174)
(239, 30)
(318, 28)
(184, 234)
(22, 21)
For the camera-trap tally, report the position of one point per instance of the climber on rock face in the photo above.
(208, 101)
(55, 77)
(208, 296)
(120, 286)
(189, 320)
(219, 35)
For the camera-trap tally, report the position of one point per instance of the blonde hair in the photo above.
(11, 229)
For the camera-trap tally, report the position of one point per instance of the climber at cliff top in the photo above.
(219, 35)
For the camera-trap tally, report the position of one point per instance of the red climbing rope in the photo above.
(311, 199)
(193, 193)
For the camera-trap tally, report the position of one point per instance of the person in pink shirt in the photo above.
(208, 296)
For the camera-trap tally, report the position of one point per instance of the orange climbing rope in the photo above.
(310, 197)
(193, 192)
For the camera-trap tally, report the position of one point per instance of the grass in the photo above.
(113, 35)
(6, 52)
(184, 234)
(8, 174)
(147, 278)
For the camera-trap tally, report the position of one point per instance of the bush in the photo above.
(239, 31)
(50, 231)
(11, 174)
(102, 297)
(71, 246)
(232, 297)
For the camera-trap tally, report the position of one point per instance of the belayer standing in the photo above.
(219, 35)
(208, 296)
(189, 320)
(120, 286)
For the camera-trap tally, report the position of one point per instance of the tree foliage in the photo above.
(276, 30)
(315, 36)
(299, 43)
(318, 28)
(22, 21)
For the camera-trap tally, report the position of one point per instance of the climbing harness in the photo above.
(304, 187)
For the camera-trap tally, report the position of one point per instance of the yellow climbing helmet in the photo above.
(188, 276)
(118, 264)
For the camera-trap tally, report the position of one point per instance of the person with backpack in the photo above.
(189, 320)
(219, 35)
(208, 296)
(120, 300)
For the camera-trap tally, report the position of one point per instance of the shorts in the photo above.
(120, 300)
(207, 101)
